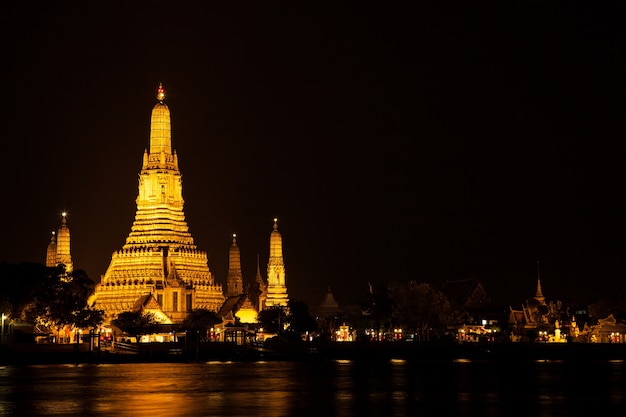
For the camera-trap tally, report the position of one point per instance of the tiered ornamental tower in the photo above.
(159, 261)
(234, 280)
(276, 285)
(59, 251)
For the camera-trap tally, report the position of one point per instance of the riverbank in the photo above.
(27, 354)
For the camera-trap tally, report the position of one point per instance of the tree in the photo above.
(615, 305)
(419, 307)
(61, 300)
(299, 319)
(136, 323)
(200, 320)
(19, 283)
(377, 305)
(272, 319)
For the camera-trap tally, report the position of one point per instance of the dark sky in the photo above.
(425, 142)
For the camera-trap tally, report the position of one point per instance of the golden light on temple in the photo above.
(64, 214)
(277, 288)
(159, 266)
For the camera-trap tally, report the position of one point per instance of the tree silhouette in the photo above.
(200, 320)
(418, 307)
(299, 319)
(61, 299)
(272, 319)
(136, 323)
(377, 306)
(19, 283)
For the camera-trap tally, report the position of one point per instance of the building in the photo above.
(329, 307)
(237, 303)
(159, 257)
(59, 250)
(276, 283)
(159, 269)
(234, 280)
(538, 320)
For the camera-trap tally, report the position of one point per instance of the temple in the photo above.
(159, 269)
(234, 280)
(59, 251)
(276, 285)
(159, 265)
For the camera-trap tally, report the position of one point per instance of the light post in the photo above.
(2, 331)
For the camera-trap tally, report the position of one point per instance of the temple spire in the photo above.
(64, 255)
(159, 258)
(234, 281)
(258, 278)
(539, 295)
(160, 129)
(51, 253)
(276, 283)
(261, 286)
(161, 93)
(276, 243)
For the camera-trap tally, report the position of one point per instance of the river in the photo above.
(316, 388)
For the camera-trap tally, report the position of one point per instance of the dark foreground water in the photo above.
(321, 388)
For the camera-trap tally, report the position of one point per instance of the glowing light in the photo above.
(160, 93)
(64, 214)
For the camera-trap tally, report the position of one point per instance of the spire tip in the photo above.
(161, 93)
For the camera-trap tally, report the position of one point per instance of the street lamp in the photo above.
(2, 330)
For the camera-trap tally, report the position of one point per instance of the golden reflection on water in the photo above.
(335, 388)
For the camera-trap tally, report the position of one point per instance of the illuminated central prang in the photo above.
(159, 268)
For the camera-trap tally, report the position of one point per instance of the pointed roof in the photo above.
(64, 253)
(234, 280)
(146, 302)
(329, 305)
(160, 126)
(539, 295)
(276, 242)
(246, 313)
(231, 304)
(466, 292)
(51, 252)
(259, 277)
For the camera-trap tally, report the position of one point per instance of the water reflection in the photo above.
(341, 388)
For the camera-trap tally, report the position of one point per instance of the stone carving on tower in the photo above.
(159, 257)
(276, 284)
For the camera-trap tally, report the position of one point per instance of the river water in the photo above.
(316, 388)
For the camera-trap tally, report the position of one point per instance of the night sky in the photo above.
(427, 142)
